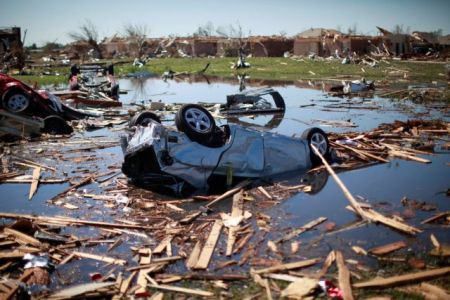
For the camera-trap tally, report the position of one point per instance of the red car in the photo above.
(21, 99)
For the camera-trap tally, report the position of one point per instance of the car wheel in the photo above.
(317, 137)
(196, 122)
(16, 101)
(143, 119)
(56, 125)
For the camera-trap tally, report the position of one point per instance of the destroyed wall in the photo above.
(229, 47)
(329, 47)
(204, 47)
(306, 46)
(358, 44)
(270, 47)
(10, 38)
(115, 47)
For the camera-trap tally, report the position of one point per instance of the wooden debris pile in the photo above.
(142, 245)
(405, 140)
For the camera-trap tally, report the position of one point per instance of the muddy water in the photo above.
(383, 185)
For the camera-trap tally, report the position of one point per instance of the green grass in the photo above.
(278, 68)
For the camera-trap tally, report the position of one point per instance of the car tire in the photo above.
(143, 119)
(196, 122)
(319, 139)
(56, 125)
(16, 101)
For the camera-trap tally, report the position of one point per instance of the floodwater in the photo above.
(382, 185)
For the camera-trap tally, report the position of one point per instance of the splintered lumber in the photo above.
(302, 229)
(229, 193)
(343, 277)
(264, 192)
(385, 249)
(208, 249)
(141, 279)
(190, 217)
(171, 288)
(328, 262)
(22, 237)
(344, 189)
(436, 217)
(30, 163)
(404, 155)
(70, 221)
(402, 279)
(84, 181)
(163, 244)
(126, 283)
(377, 217)
(22, 278)
(81, 289)
(193, 258)
(236, 211)
(289, 266)
(361, 152)
(106, 259)
(34, 182)
(17, 253)
(369, 214)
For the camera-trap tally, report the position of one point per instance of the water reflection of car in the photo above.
(156, 155)
(20, 99)
(94, 79)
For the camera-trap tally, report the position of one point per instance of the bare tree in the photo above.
(205, 30)
(87, 33)
(137, 33)
(353, 29)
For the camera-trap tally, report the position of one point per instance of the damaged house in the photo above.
(270, 46)
(397, 44)
(318, 41)
(11, 48)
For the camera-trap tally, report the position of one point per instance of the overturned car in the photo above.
(19, 99)
(157, 155)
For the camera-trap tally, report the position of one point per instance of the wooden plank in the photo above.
(106, 259)
(24, 238)
(80, 289)
(70, 221)
(302, 229)
(208, 249)
(171, 288)
(22, 278)
(229, 193)
(328, 262)
(236, 211)
(355, 205)
(34, 182)
(126, 283)
(264, 192)
(402, 279)
(289, 266)
(362, 152)
(343, 277)
(385, 249)
(365, 214)
(436, 217)
(404, 155)
(163, 244)
(377, 217)
(141, 279)
(193, 258)
(33, 164)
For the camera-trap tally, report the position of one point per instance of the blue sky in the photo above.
(51, 20)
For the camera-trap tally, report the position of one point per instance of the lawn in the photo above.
(275, 68)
